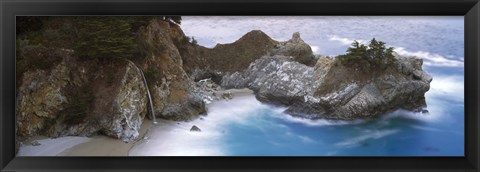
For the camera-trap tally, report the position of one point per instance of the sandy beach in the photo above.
(164, 131)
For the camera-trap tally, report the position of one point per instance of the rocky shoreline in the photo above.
(107, 146)
(72, 96)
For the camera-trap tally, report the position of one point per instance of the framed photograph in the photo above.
(240, 85)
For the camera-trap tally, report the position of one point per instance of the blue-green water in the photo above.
(268, 132)
(245, 127)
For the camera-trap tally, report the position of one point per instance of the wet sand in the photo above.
(106, 146)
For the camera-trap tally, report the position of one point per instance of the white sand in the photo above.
(170, 138)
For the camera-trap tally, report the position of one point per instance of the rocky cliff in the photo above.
(332, 90)
(213, 63)
(172, 89)
(60, 94)
(80, 97)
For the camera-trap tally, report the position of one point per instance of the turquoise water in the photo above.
(272, 133)
(245, 127)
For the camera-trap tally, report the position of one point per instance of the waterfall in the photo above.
(148, 93)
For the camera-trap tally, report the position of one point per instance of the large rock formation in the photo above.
(331, 90)
(78, 97)
(59, 94)
(274, 79)
(213, 63)
(296, 48)
(173, 92)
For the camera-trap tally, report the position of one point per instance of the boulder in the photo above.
(296, 48)
(227, 95)
(36, 143)
(275, 79)
(195, 129)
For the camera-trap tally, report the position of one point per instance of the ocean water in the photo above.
(245, 127)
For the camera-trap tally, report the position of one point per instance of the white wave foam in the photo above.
(430, 59)
(315, 49)
(316, 122)
(447, 86)
(172, 139)
(433, 116)
(352, 142)
(413, 31)
(346, 41)
(445, 92)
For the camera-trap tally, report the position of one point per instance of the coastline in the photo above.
(107, 146)
(167, 136)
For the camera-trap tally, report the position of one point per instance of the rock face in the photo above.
(274, 79)
(333, 91)
(172, 90)
(81, 98)
(210, 91)
(204, 63)
(296, 48)
(59, 94)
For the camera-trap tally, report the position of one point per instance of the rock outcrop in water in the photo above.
(334, 91)
(59, 94)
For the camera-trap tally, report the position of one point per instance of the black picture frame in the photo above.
(470, 9)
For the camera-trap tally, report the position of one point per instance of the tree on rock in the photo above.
(104, 37)
(375, 55)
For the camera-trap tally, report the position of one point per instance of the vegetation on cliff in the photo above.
(89, 36)
(105, 37)
(365, 57)
(366, 81)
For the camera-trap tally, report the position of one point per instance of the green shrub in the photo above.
(194, 41)
(373, 56)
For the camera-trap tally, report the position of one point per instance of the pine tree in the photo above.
(374, 55)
